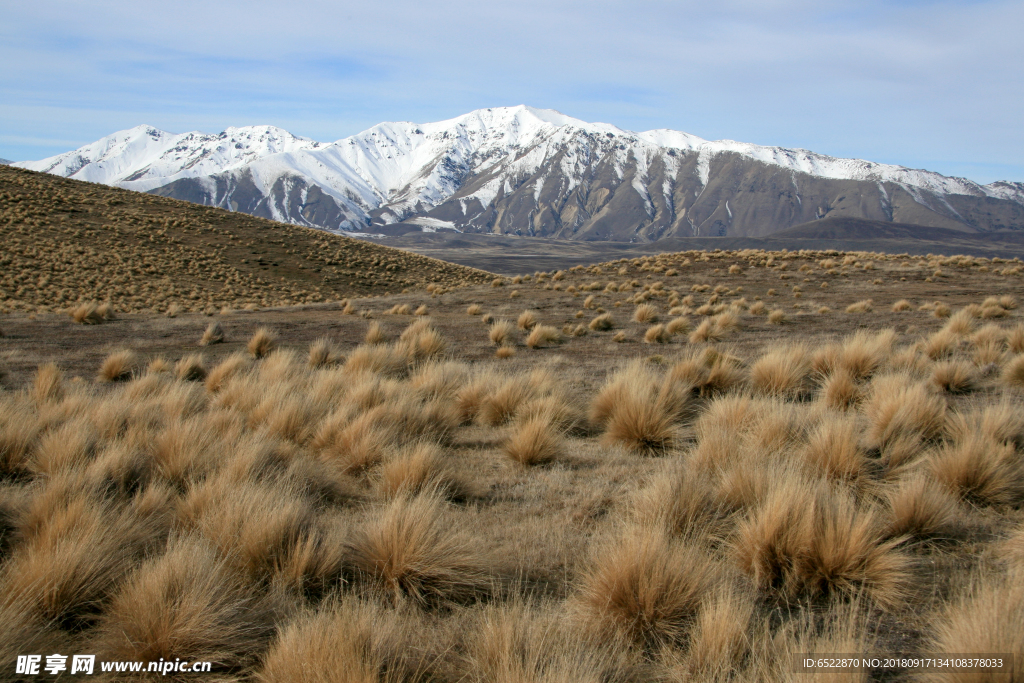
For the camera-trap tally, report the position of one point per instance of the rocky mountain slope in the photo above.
(526, 171)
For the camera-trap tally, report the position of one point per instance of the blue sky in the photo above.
(936, 85)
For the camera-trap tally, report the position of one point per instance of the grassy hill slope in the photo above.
(66, 241)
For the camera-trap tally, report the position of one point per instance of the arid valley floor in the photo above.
(670, 467)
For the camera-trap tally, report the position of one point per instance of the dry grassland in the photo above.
(684, 467)
(70, 243)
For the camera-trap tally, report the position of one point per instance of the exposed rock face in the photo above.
(533, 172)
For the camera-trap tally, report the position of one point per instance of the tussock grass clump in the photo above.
(954, 377)
(230, 367)
(47, 385)
(783, 371)
(504, 352)
(501, 333)
(346, 640)
(421, 310)
(987, 616)
(980, 471)
(776, 316)
(602, 323)
(87, 314)
(706, 332)
(256, 525)
(656, 334)
(863, 353)
(191, 368)
(542, 335)
(214, 334)
(898, 408)
(834, 450)
(921, 508)
(419, 468)
(523, 641)
(119, 366)
(409, 551)
(74, 552)
(322, 353)
(633, 412)
(901, 305)
(806, 541)
(262, 343)
(645, 587)
(679, 325)
(864, 306)
(1013, 373)
(720, 638)
(185, 603)
(645, 313)
(841, 391)
(535, 441)
(474, 309)
(374, 334)
(527, 320)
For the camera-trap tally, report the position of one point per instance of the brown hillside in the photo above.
(66, 241)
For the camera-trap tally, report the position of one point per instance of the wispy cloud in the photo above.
(923, 83)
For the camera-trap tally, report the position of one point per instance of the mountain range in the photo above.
(534, 172)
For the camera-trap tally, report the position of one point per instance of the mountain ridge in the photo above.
(526, 171)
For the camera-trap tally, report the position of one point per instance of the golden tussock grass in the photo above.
(345, 640)
(542, 335)
(419, 468)
(645, 587)
(633, 413)
(374, 334)
(979, 470)
(1013, 373)
(185, 602)
(214, 334)
(840, 391)
(602, 323)
(501, 333)
(87, 314)
(987, 616)
(474, 309)
(645, 313)
(954, 377)
(833, 448)
(388, 515)
(901, 305)
(921, 508)
(119, 366)
(534, 441)
(777, 316)
(47, 384)
(323, 353)
(527, 320)
(808, 542)
(782, 371)
(408, 551)
(656, 334)
(191, 368)
(679, 325)
(899, 408)
(262, 343)
(864, 306)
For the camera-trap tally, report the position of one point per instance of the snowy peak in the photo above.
(150, 157)
(530, 171)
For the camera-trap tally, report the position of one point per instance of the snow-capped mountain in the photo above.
(530, 171)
